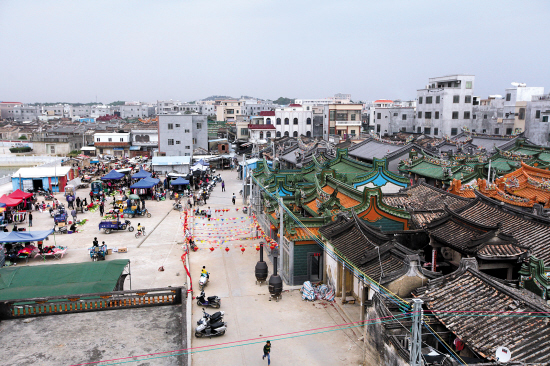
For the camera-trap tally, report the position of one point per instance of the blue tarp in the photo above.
(145, 183)
(179, 182)
(112, 175)
(24, 236)
(201, 162)
(141, 174)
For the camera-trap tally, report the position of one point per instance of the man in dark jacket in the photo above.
(267, 350)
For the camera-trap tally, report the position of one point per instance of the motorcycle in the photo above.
(177, 206)
(203, 281)
(214, 318)
(211, 325)
(212, 301)
(140, 232)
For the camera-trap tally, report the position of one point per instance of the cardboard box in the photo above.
(109, 251)
(123, 250)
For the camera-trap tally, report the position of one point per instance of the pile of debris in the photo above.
(319, 292)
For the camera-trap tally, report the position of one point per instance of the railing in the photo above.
(90, 302)
(348, 123)
(540, 97)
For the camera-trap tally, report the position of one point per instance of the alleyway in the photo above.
(249, 313)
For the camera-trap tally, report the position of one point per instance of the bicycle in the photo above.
(140, 232)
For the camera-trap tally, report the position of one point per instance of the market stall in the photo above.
(144, 187)
(141, 174)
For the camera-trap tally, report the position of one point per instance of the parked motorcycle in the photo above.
(210, 326)
(212, 301)
(216, 317)
(178, 206)
(203, 281)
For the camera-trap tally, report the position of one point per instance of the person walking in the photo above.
(194, 200)
(233, 198)
(73, 214)
(77, 202)
(267, 350)
(209, 213)
(223, 186)
(101, 209)
(30, 219)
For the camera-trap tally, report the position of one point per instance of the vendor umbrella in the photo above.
(10, 202)
(113, 175)
(179, 182)
(133, 197)
(141, 174)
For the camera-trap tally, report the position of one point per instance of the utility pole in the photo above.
(416, 333)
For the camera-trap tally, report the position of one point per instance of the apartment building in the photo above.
(26, 112)
(338, 98)
(180, 134)
(294, 120)
(113, 143)
(173, 107)
(231, 110)
(342, 119)
(133, 110)
(445, 104)
(6, 109)
(537, 126)
(255, 107)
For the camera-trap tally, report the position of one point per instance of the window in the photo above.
(278, 121)
(428, 115)
(268, 134)
(186, 131)
(308, 121)
(286, 133)
(473, 130)
(352, 117)
(332, 115)
(199, 125)
(537, 114)
(484, 116)
(436, 131)
(403, 129)
(509, 131)
(110, 139)
(454, 131)
(378, 128)
(278, 134)
(178, 142)
(508, 97)
(98, 139)
(456, 98)
(437, 99)
(404, 117)
(395, 114)
(295, 134)
(244, 131)
(170, 141)
(484, 131)
(455, 115)
(474, 116)
(170, 126)
(466, 115)
(178, 125)
(521, 114)
(419, 100)
(468, 85)
(419, 129)
(429, 100)
(268, 121)
(194, 141)
(187, 147)
(497, 131)
(467, 99)
(308, 133)
(261, 135)
(295, 121)
(352, 132)
(121, 139)
(420, 114)
(437, 115)
(286, 121)
(544, 118)
(379, 116)
(427, 130)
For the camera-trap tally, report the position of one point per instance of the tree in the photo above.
(283, 101)
(22, 137)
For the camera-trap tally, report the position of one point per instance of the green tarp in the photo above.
(24, 282)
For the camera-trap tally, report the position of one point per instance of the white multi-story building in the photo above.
(254, 107)
(100, 111)
(134, 110)
(294, 120)
(445, 105)
(175, 107)
(113, 143)
(336, 99)
(25, 112)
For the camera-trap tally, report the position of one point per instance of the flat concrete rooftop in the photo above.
(71, 339)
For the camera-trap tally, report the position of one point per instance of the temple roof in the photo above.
(468, 291)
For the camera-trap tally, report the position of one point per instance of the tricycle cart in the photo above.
(110, 225)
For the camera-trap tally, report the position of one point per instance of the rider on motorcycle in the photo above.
(204, 272)
(139, 228)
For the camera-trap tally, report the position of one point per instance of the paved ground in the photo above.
(90, 337)
(252, 316)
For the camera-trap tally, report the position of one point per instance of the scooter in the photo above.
(177, 206)
(203, 281)
(214, 318)
(212, 301)
(209, 329)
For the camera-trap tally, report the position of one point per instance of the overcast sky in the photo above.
(138, 50)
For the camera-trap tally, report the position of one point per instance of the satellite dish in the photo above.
(503, 354)
(515, 84)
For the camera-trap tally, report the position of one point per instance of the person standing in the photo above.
(101, 209)
(209, 213)
(223, 186)
(77, 202)
(267, 350)
(30, 219)
(194, 200)
(73, 214)
(233, 198)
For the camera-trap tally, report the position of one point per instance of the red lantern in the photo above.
(242, 250)
(227, 249)
(258, 248)
(272, 246)
(211, 249)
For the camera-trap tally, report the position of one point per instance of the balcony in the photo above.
(348, 123)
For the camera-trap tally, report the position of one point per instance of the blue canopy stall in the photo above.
(141, 174)
(24, 236)
(179, 182)
(145, 183)
(201, 162)
(113, 175)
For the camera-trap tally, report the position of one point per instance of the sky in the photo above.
(138, 50)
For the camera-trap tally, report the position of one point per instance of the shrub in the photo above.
(23, 149)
